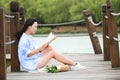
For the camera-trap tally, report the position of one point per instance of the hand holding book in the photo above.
(50, 38)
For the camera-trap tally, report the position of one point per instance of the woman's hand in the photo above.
(41, 48)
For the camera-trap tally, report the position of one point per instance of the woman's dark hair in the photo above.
(29, 22)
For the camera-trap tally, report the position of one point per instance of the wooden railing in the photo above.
(16, 19)
(110, 35)
(92, 31)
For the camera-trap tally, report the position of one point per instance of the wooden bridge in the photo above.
(99, 66)
(97, 69)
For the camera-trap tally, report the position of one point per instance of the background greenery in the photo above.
(57, 11)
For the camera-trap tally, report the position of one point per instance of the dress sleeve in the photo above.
(24, 47)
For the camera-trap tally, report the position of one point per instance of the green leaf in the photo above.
(51, 69)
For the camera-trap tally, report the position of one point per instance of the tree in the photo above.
(57, 11)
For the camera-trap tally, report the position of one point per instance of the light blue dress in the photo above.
(25, 45)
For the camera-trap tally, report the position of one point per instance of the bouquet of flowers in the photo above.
(55, 69)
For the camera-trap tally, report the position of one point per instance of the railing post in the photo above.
(106, 45)
(2, 46)
(7, 34)
(91, 30)
(15, 65)
(22, 16)
(114, 48)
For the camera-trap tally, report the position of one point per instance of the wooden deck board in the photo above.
(97, 69)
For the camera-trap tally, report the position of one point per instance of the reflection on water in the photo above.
(75, 44)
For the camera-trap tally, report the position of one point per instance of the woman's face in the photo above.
(33, 28)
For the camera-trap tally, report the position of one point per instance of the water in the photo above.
(71, 44)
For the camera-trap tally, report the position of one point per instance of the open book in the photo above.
(50, 38)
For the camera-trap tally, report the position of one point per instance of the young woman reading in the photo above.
(32, 58)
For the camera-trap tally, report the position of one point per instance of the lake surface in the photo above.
(71, 43)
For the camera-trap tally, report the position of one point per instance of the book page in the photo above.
(50, 38)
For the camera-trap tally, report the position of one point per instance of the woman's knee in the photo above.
(50, 47)
(47, 50)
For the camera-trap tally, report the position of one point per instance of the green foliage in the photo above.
(82, 31)
(57, 11)
(8, 62)
(54, 11)
(116, 6)
(51, 69)
(43, 30)
(68, 31)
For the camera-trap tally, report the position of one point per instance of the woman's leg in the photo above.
(50, 53)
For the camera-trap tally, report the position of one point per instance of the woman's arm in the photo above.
(41, 48)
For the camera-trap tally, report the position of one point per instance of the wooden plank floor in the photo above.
(97, 69)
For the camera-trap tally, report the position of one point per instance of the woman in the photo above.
(32, 58)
